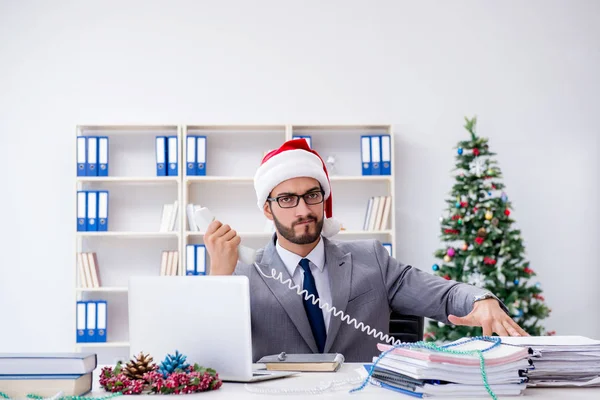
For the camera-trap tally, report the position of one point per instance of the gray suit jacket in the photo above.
(366, 283)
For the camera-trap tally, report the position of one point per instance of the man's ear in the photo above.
(267, 211)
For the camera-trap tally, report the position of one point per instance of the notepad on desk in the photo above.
(328, 362)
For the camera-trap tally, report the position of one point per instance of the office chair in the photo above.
(406, 328)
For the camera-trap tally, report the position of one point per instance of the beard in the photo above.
(305, 237)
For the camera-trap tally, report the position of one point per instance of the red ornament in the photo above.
(507, 212)
(428, 335)
(464, 204)
(489, 261)
(493, 186)
(474, 210)
(479, 240)
(538, 296)
(476, 151)
(528, 270)
(451, 231)
(551, 333)
(447, 277)
(455, 217)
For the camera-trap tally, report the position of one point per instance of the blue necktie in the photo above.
(313, 312)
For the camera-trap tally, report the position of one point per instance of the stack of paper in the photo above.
(562, 360)
(427, 372)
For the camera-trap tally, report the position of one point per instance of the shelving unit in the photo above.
(133, 244)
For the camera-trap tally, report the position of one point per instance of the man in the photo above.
(356, 277)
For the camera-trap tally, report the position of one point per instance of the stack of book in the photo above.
(422, 372)
(168, 221)
(46, 374)
(562, 360)
(378, 214)
(89, 270)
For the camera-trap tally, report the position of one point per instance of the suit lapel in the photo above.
(339, 269)
(289, 300)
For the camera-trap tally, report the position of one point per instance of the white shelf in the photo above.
(129, 179)
(103, 344)
(119, 130)
(106, 289)
(335, 178)
(250, 179)
(245, 179)
(241, 234)
(358, 233)
(130, 234)
(269, 234)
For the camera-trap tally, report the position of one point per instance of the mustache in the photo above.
(307, 219)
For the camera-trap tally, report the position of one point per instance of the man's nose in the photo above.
(302, 207)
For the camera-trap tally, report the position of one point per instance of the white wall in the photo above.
(529, 70)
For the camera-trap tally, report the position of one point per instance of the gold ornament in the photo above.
(482, 232)
(489, 215)
(447, 258)
(138, 366)
(465, 246)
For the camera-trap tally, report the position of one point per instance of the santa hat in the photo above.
(295, 159)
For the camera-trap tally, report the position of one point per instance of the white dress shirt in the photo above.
(317, 267)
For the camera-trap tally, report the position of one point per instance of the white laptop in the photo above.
(206, 318)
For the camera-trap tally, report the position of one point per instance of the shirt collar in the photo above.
(291, 260)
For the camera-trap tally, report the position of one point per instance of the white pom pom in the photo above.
(331, 227)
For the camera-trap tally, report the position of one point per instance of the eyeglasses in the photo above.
(292, 200)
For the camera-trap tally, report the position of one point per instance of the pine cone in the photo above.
(138, 366)
(172, 363)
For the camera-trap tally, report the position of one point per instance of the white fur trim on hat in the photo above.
(287, 165)
(331, 227)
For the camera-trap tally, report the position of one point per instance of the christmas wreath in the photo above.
(173, 376)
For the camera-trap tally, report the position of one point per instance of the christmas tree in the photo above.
(480, 245)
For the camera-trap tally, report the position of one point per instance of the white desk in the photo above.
(314, 380)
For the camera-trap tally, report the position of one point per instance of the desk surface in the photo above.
(307, 381)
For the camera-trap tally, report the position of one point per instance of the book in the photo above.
(328, 362)
(47, 363)
(19, 386)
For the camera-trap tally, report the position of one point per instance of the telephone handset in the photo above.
(204, 217)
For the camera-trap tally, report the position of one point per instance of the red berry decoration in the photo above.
(447, 277)
(507, 212)
(479, 240)
(182, 380)
(476, 151)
